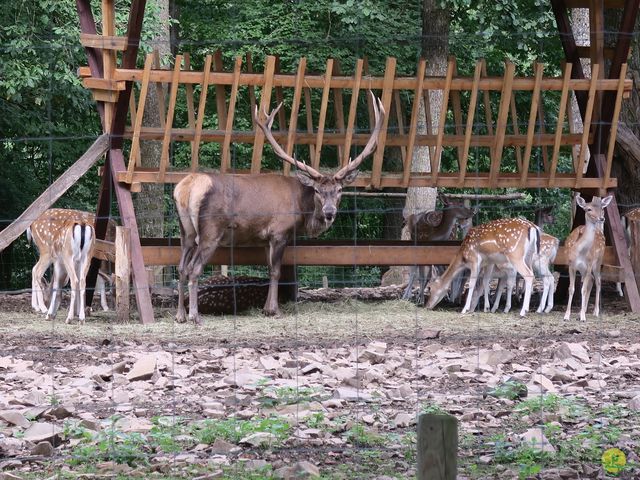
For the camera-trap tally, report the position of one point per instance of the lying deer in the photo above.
(513, 240)
(44, 232)
(585, 251)
(228, 209)
(435, 226)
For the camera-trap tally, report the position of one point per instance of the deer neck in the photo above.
(588, 235)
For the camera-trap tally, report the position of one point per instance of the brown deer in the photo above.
(435, 226)
(43, 233)
(585, 251)
(230, 209)
(71, 252)
(509, 239)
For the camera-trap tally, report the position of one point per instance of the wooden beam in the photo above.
(614, 130)
(225, 164)
(387, 94)
(353, 106)
(324, 103)
(265, 101)
(191, 113)
(531, 126)
(295, 110)
(501, 123)
(469, 126)
(104, 42)
(166, 140)
(437, 447)
(586, 124)
(435, 159)
(221, 94)
(560, 123)
(413, 123)
(202, 108)
(55, 191)
(123, 271)
(135, 141)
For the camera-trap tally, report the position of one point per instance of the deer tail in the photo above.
(82, 236)
(534, 238)
(29, 237)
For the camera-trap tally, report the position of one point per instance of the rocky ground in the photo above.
(328, 389)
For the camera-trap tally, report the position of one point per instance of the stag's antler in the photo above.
(266, 128)
(371, 144)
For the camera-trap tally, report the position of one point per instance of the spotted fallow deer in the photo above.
(43, 233)
(513, 240)
(585, 251)
(230, 209)
(435, 226)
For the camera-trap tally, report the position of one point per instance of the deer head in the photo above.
(327, 188)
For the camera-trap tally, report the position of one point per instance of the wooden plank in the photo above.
(377, 83)
(338, 109)
(435, 159)
(188, 89)
(353, 106)
(516, 129)
(332, 253)
(614, 131)
(132, 112)
(103, 84)
(437, 447)
(413, 123)
(542, 130)
(531, 126)
(265, 101)
(387, 92)
(295, 110)
(123, 272)
(397, 102)
(419, 179)
(501, 123)
(55, 191)
(166, 140)
(108, 62)
(202, 107)
(282, 117)
(221, 94)
(105, 96)
(457, 114)
(487, 104)
(226, 150)
(570, 121)
(323, 112)
(469, 126)
(88, 26)
(128, 217)
(160, 86)
(134, 156)
(309, 115)
(252, 90)
(585, 52)
(587, 3)
(104, 42)
(568, 68)
(586, 125)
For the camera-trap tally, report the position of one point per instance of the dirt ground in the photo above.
(331, 388)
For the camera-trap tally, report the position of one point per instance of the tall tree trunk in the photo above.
(149, 203)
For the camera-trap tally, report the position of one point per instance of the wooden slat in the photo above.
(225, 163)
(387, 92)
(435, 159)
(413, 123)
(418, 179)
(309, 115)
(103, 84)
(487, 105)
(282, 117)
(323, 112)
(353, 106)
(543, 129)
(221, 94)
(265, 100)
(134, 155)
(108, 63)
(586, 125)
(397, 102)
(531, 126)
(558, 135)
(338, 109)
(107, 96)
(516, 129)
(166, 141)
(426, 94)
(132, 114)
(202, 105)
(501, 123)
(585, 52)
(191, 114)
(614, 129)
(162, 110)
(104, 42)
(570, 120)
(252, 90)
(457, 113)
(469, 127)
(295, 110)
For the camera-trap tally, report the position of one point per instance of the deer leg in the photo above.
(499, 289)
(473, 279)
(587, 282)
(598, 280)
(56, 290)
(37, 285)
(196, 265)
(70, 267)
(101, 286)
(188, 249)
(422, 282)
(619, 289)
(276, 250)
(412, 276)
(523, 269)
(552, 290)
(572, 287)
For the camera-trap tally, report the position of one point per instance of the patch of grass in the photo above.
(233, 430)
(511, 390)
(433, 408)
(359, 436)
(274, 396)
(568, 407)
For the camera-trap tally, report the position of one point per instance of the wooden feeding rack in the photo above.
(509, 143)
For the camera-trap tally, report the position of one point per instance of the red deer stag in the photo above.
(509, 239)
(230, 209)
(585, 251)
(434, 226)
(43, 233)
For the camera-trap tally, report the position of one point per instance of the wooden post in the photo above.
(437, 447)
(633, 221)
(123, 270)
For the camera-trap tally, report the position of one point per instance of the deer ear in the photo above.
(606, 201)
(350, 177)
(580, 201)
(304, 179)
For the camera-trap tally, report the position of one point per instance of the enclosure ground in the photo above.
(328, 387)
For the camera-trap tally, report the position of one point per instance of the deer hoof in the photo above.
(271, 313)
(196, 320)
